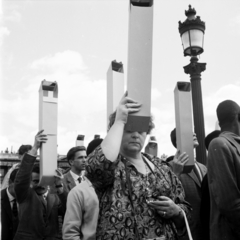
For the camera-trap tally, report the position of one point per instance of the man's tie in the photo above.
(14, 208)
(197, 173)
(79, 179)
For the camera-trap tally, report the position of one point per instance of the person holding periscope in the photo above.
(139, 196)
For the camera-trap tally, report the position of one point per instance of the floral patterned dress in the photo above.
(116, 216)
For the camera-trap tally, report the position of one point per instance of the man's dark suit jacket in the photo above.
(193, 195)
(224, 186)
(32, 223)
(9, 224)
(68, 182)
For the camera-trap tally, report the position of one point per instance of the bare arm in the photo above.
(112, 142)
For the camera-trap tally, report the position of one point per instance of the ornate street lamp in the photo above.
(192, 35)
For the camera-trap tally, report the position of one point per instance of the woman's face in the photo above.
(133, 142)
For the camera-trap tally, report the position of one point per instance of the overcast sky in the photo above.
(74, 42)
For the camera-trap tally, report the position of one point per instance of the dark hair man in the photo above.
(223, 174)
(80, 221)
(38, 209)
(9, 209)
(76, 157)
(21, 151)
(192, 187)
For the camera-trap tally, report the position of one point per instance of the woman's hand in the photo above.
(179, 162)
(126, 106)
(165, 207)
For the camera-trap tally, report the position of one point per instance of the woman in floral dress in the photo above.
(139, 196)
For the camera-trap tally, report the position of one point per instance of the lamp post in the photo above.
(192, 35)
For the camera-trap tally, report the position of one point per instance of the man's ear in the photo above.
(70, 162)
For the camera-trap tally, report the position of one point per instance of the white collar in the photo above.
(74, 175)
(45, 194)
(10, 196)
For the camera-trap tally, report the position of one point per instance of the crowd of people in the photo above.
(113, 190)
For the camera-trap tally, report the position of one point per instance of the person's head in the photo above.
(23, 149)
(93, 144)
(132, 142)
(36, 179)
(11, 181)
(210, 137)
(228, 114)
(173, 137)
(76, 157)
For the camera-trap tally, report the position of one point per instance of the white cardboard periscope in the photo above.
(80, 140)
(115, 87)
(184, 123)
(139, 77)
(48, 111)
(152, 146)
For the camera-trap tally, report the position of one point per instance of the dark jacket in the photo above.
(36, 221)
(9, 223)
(205, 208)
(68, 181)
(193, 195)
(224, 186)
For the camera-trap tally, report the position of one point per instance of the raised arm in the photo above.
(112, 142)
(23, 178)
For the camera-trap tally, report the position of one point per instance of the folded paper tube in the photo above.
(48, 99)
(80, 140)
(139, 77)
(142, 3)
(96, 136)
(184, 125)
(115, 86)
(152, 146)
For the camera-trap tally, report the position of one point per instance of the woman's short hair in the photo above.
(113, 116)
(72, 151)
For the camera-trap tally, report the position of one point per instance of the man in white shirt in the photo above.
(76, 157)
